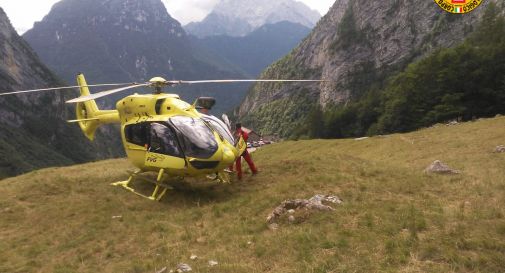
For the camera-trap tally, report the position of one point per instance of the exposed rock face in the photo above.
(240, 17)
(357, 44)
(120, 41)
(112, 40)
(34, 133)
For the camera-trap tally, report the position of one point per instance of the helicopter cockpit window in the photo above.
(137, 133)
(220, 127)
(164, 141)
(197, 139)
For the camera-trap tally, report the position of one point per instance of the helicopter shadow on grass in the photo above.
(197, 191)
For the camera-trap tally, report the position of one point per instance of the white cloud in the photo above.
(186, 11)
(23, 13)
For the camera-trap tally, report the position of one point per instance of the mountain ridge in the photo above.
(258, 49)
(240, 17)
(126, 41)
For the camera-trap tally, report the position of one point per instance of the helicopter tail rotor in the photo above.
(89, 116)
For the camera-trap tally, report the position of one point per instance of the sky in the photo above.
(23, 13)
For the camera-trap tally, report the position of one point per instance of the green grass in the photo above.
(394, 218)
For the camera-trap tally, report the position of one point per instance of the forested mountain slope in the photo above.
(359, 47)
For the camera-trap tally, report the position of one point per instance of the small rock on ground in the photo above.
(213, 263)
(314, 203)
(440, 168)
(500, 149)
(183, 268)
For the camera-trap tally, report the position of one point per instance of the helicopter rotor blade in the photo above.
(61, 88)
(105, 93)
(233, 81)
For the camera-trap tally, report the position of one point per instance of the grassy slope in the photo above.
(394, 219)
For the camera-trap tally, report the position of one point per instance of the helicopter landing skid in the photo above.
(158, 192)
(221, 177)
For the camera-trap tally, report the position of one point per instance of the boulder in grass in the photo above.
(290, 206)
(440, 168)
(183, 268)
(500, 149)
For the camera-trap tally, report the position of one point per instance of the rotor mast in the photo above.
(158, 83)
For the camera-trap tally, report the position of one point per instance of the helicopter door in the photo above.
(164, 151)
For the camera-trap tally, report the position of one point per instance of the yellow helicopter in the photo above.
(162, 133)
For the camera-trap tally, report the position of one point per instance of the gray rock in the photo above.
(314, 203)
(273, 226)
(500, 149)
(183, 268)
(438, 167)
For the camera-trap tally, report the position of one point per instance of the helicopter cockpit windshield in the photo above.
(164, 141)
(220, 127)
(197, 139)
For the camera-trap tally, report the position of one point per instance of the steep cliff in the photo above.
(355, 47)
(124, 41)
(34, 133)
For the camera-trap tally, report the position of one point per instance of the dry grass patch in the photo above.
(394, 218)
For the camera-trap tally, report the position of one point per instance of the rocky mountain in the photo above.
(355, 47)
(124, 41)
(255, 51)
(240, 17)
(34, 132)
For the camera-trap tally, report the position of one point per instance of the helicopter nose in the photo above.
(228, 156)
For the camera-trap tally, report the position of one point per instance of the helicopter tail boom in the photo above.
(89, 116)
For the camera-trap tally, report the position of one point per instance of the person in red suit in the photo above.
(238, 163)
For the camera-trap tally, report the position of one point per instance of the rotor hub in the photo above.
(158, 83)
